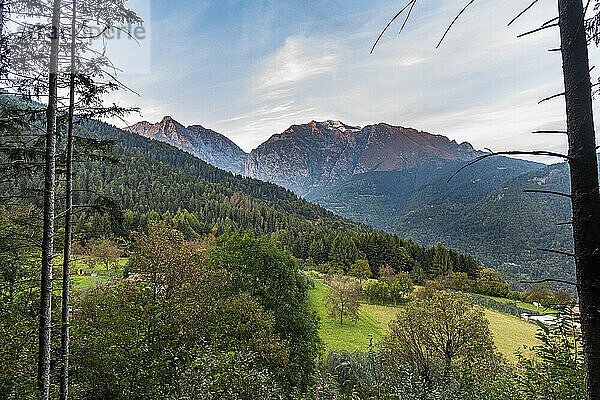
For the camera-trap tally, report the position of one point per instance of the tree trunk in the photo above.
(48, 234)
(66, 281)
(585, 197)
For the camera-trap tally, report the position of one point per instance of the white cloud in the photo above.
(482, 85)
(298, 59)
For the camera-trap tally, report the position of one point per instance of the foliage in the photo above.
(428, 289)
(19, 299)
(377, 376)
(389, 288)
(272, 277)
(343, 297)
(489, 282)
(360, 269)
(443, 335)
(104, 251)
(557, 371)
(166, 323)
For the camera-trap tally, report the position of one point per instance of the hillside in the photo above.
(184, 181)
(155, 180)
(505, 228)
(379, 198)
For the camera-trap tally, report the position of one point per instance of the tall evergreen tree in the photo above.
(49, 213)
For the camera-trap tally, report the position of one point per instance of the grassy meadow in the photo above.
(510, 333)
(102, 274)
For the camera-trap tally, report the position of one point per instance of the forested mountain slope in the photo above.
(379, 198)
(156, 180)
(506, 227)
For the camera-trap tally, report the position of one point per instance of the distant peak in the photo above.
(331, 125)
(168, 119)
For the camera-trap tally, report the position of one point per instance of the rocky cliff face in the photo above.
(319, 155)
(203, 143)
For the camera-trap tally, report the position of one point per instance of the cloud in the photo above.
(298, 59)
(482, 85)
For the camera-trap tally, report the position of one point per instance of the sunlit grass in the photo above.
(510, 333)
(351, 335)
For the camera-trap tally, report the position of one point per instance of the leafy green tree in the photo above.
(386, 272)
(272, 277)
(343, 297)
(428, 289)
(400, 287)
(360, 269)
(418, 274)
(460, 281)
(562, 298)
(441, 336)
(540, 294)
(488, 282)
(174, 329)
(105, 251)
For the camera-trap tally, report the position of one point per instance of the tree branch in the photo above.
(564, 253)
(499, 153)
(411, 2)
(547, 192)
(541, 28)
(549, 280)
(453, 21)
(564, 223)
(522, 12)
(551, 97)
(537, 132)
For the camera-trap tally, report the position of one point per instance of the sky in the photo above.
(250, 69)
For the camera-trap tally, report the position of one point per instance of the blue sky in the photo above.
(250, 69)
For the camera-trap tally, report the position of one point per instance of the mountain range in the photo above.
(395, 178)
(314, 157)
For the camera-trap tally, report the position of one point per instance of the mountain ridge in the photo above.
(206, 144)
(309, 158)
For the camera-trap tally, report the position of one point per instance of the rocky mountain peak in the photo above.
(203, 143)
(311, 157)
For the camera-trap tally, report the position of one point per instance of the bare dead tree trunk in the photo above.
(48, 234)
(66, 280)
(585, 197)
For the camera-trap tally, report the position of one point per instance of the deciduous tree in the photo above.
(343, 298)
(442, 335)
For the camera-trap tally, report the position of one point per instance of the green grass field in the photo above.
(102, 275)
(351, 335)
(510, 333)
